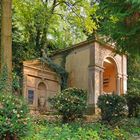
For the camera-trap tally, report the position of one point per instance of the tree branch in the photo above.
(53, 6)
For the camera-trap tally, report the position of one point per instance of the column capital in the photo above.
(96, 67)
(119, 75)
(124, 76)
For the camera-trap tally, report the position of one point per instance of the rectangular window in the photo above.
(30, 96)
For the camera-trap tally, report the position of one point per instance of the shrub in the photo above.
(14, 120)
(133, 102)
(112, 107)
(70, 103)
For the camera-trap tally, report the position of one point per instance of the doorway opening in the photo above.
(109, 76)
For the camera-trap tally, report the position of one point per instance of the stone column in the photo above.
(95, 86)
(124, 82)
(124, 73)
(101, 81)
(118, 84)
(90, 101)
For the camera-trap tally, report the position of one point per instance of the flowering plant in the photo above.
(112, 106)
(14, 120)
(70, 103)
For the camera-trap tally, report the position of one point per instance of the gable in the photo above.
(37, 65)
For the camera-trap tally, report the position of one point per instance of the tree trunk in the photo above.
(9, 137)
(6, 38)
(0, 31)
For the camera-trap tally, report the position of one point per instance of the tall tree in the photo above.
(6, 37)
(0, 30)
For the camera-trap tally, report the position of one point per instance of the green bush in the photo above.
(133, 102)
(112, 107)
(70, 103)
(14, 120)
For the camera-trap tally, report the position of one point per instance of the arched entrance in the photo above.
(109, 75)
(41, 95)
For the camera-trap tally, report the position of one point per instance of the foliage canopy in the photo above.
(120, 22)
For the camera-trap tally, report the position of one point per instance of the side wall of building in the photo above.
(76, 64)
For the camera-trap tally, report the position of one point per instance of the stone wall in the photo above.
(39, 84)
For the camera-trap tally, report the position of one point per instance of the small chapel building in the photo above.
(91, 65)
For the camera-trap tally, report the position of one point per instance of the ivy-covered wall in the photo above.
(75, 61)
(58, 68)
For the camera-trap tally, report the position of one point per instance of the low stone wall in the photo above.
(58, 118)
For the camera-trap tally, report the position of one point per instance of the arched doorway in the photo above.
(109, 76)
(41, 95)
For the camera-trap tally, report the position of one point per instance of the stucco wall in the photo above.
(77, 63)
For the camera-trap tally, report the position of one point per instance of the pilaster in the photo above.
(95, 85)
(119, 76)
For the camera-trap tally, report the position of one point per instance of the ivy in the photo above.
(4, 84)
(16, 82)
(62, 73)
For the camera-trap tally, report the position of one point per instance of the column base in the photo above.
(93, 110)
(90, 109)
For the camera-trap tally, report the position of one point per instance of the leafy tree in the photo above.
(120, 22)
(134, 72)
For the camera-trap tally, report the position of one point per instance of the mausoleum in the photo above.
(91, 65)
(39, 83)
